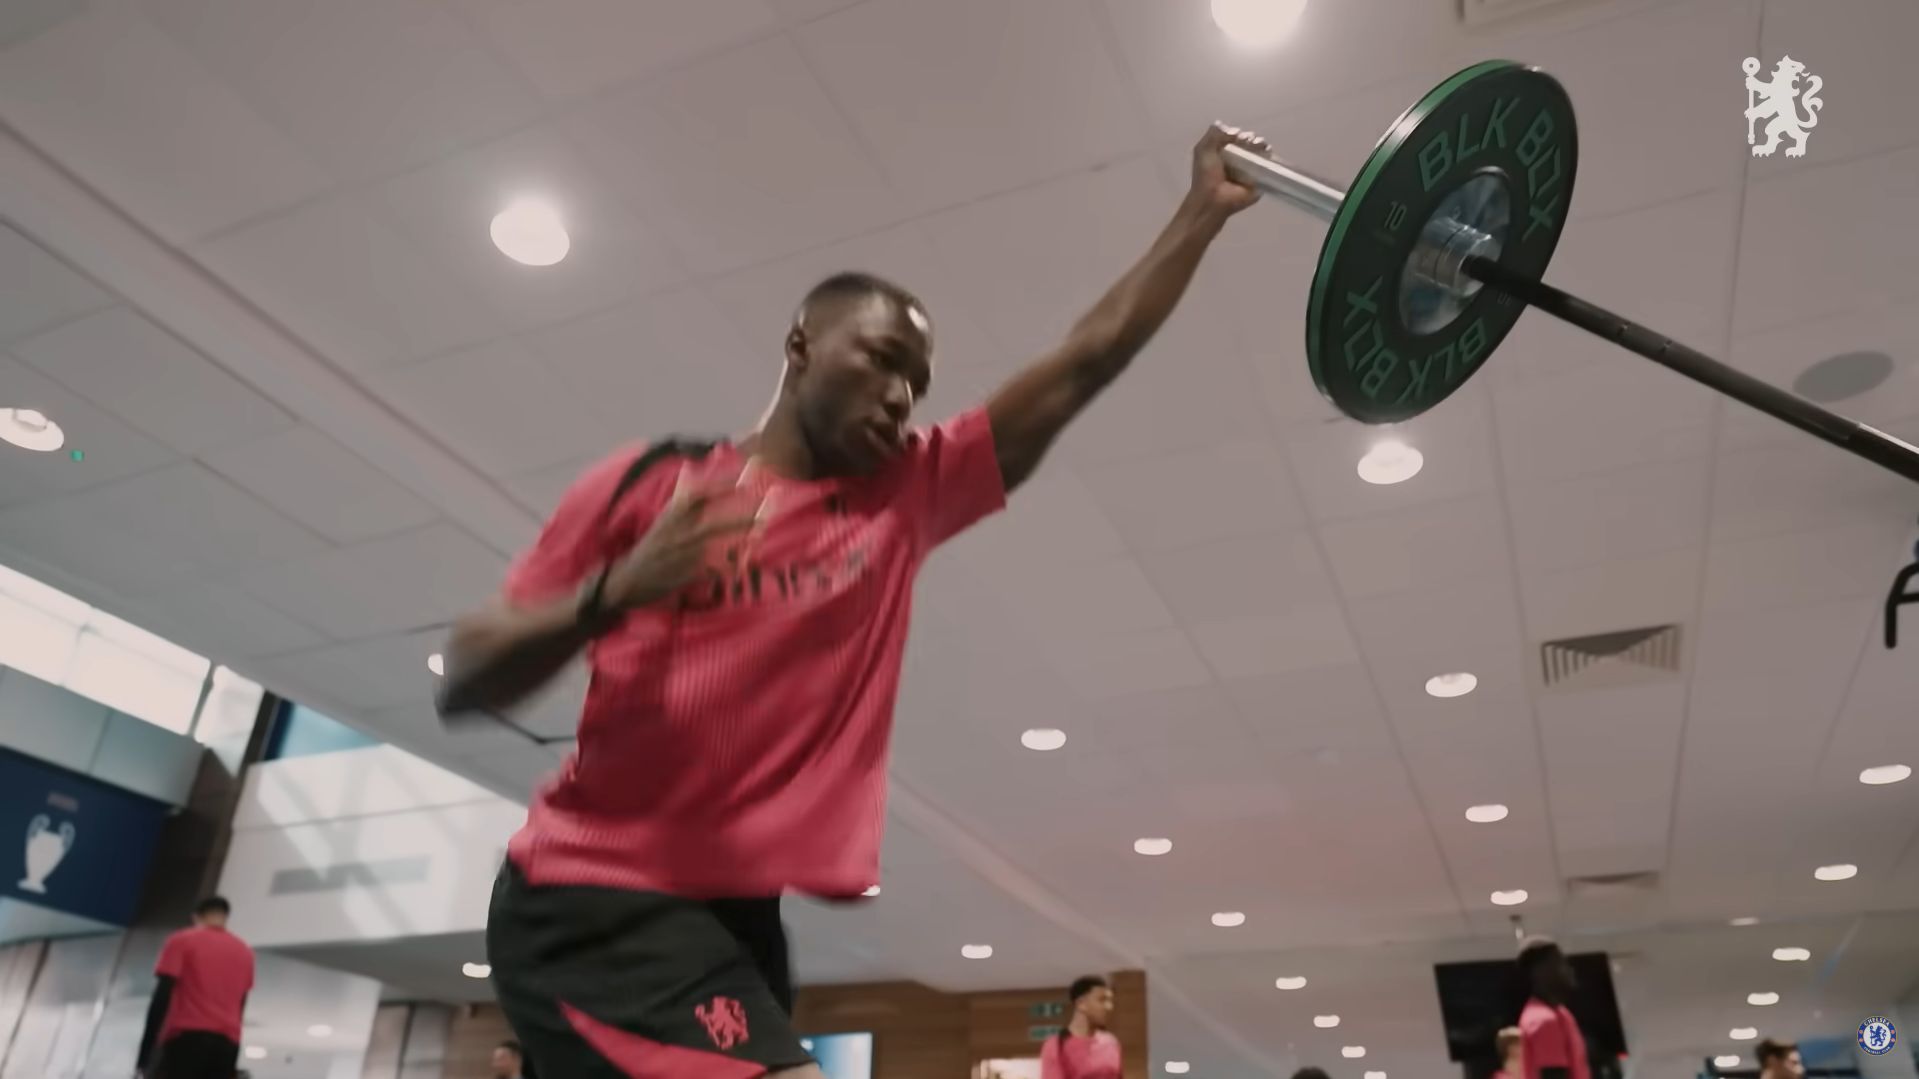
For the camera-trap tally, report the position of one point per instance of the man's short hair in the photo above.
(1084, 985)
(1507, 1039)
(1535, 951)
(1311, 1073)
(1772, 1049)
(848, 285)
(213, 904)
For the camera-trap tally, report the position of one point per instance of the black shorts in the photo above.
(602, 983)
(197, 1054)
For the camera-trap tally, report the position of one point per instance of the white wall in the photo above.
(365, 844)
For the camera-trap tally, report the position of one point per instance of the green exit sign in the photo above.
(1040, 1034)
(1050, 1010)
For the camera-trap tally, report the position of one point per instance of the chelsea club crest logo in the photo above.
(1877, 1036)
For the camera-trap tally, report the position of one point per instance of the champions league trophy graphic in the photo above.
(45, 848)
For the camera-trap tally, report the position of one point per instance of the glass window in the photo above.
(299, 731)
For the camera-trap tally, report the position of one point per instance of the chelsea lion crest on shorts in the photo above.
(1877, 1035)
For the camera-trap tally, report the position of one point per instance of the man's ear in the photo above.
(796, 357)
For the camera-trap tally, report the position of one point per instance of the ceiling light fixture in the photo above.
(1043, 739)
(1744, 922)
(256, 1052)
(1375, 1075)
(1325, 1022)
(1762, 1000)
(1229, 919)
(31, 430)
(1743, 1034)
(1353, 1052)
(1841, 871)
(977, 951)
(872, 892)
(1258, 22)
(1457, 684)
(1791, 955)
(1727, 1061)
(1152, 848)
(476, 970)
(1177, 1067)
(1884, 774)
(320, 1030)
(1486, 814)
(1390, 462)
(437, 664)
(530, 231)
(1289, 984)
(1509, 899)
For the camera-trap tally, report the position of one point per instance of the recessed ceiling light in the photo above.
(1791, 955)
(1836, 872)
(977, 951)
(1152, 848)
(1509, 899)
(1043, 739)
(1353, 1052)
(1884, 774)
(30, 430)
(320, 1030)
(1452, 685)
(1762, 1000)
(1392, 461)
(1228, 919)
(1486, 814)
(437, 664)
(1289, 984)
(530, 231)
(476, 970)
(871, 892)
(1727, 1061)
(1177, 1067)
(1325, 1022)
(1743, 1034)
(1743, 922)
(256, 1052)
(1375, 1075)
(1257, 22)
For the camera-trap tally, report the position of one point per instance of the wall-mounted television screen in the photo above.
(1477, 999)
(842, 1056)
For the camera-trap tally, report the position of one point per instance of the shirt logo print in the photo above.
(724, 1020)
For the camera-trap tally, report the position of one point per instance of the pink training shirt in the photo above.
(212, 972)
(736, 746)
(1097, 1057)
(1552, 1039)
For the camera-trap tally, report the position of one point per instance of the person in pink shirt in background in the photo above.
(1084, 1049)
(1549, 1034)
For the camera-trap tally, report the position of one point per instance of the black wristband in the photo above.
(591, 612)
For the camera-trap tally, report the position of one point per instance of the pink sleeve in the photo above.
(1049, 1058)
(1544, 1041)
(956, 476)
(574, 541)
(171, 958)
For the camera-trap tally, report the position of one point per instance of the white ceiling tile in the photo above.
(378, 673)
(1181, 499)
(1054, 519)
(1863, 58)
(1103, 666)
(1611, 760)
(450, 206)
(1635, 511)
(148, 377)
(1802, 484)
(143, 533)
(342, 277)
(1780, 356)
(111, 450)
(116, 101)
(222, 619)
(1306, 636)
(1409, 548)
(365, 86)
(421, 578)
(541, 491)
(739, 158)
(316, 481)
(1804, 567)
(1331, 708)
(1455, 440)
(1651, 590)
(795, 12)
(664, 365)
(37, 289)
(1240, 577)
(1093, 595)
(575, 47)
(908, 75)
(1835, 219)
(498, 406)
(1469, 624)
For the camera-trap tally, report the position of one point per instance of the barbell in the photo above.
(1442, 243)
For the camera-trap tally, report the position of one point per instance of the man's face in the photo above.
(1098, 1006)
(506, 1063)
(862, 366)
(1789, 1066)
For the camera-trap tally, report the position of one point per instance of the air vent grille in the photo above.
(1607, 884)
(1624, 657)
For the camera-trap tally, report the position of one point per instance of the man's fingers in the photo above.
(725, 527)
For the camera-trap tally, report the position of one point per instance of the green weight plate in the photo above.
(1495, 145)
